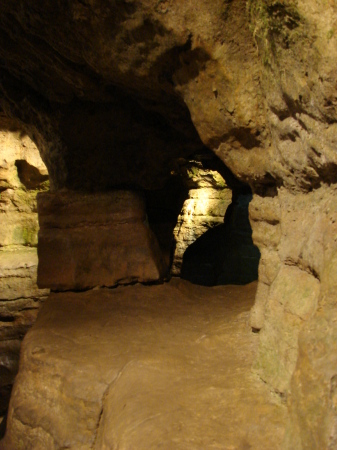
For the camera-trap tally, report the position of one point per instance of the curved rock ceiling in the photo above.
(113, 92)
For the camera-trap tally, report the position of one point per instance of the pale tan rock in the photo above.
(22, 174)
(204, 209)
(313, 401)
(18, 274)
(259, 81)
(143, 367)
(258, 311)
(20, 300)
(292, 300)
(88, 240)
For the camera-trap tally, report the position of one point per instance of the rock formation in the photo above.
(205, 208)
(95, 240)
(22, 174)
(158, 367)
(114, 93)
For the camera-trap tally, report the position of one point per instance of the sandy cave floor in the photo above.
(144, 367)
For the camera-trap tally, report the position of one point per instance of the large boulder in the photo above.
(88, 240)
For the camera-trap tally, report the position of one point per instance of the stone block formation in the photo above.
(89, 240)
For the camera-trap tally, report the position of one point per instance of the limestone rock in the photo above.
(20, 300)
(205, 208)
(22, 174)
(75, 228)
(313, 402)
(112, 92)
(143, 367)
(18, 273)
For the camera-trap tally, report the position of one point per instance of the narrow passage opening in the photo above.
(202, 224)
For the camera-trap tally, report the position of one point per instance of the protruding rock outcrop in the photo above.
(205, 208)
(88, 240)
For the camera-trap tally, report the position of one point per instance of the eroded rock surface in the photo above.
(22, 175)
(113, 92)
(143, 367)
(206, 205)
(90, 240)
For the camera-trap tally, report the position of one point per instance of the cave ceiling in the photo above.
(113, 92)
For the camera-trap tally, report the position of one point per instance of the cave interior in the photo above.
(168, 179)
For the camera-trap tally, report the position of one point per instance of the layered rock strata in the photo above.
(112, 92)
(88, 240)
(22, 175)
(20, 299)
(205, 208)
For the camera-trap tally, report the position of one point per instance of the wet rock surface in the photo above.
(143, 367)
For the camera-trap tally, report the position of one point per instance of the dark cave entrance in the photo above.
(201, 221)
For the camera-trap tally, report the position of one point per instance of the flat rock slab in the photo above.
(143, 367)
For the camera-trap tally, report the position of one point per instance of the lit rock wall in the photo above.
(22, 175)
(205, 208)
(258, 78)
(102, 239)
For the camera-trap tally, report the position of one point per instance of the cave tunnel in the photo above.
(140, 341)
(201, 221)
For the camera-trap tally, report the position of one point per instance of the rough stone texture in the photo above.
(143, 367)
(296, 354)
(22, 174)
(123, 80)
(257, 79)
(205, 208)
(75, 228)
(225, 254)
(20, 299)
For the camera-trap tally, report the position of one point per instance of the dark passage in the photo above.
(224, 254)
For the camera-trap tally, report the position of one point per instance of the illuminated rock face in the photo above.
(205, 208)
(22, 175)
(114, 92)
(89, 240)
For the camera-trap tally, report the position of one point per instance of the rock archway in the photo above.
(113, 93)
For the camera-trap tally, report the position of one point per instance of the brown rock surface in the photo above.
(20, 300)
(111, 92)
(143, 367)
(22, 174)
(90, 240)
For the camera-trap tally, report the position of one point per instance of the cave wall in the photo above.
(22, 175)
(257, 80)
(96, 240)
(206, 205)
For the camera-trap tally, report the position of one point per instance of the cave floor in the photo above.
(144, 367)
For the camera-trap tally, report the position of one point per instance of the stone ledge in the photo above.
(101, 239)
